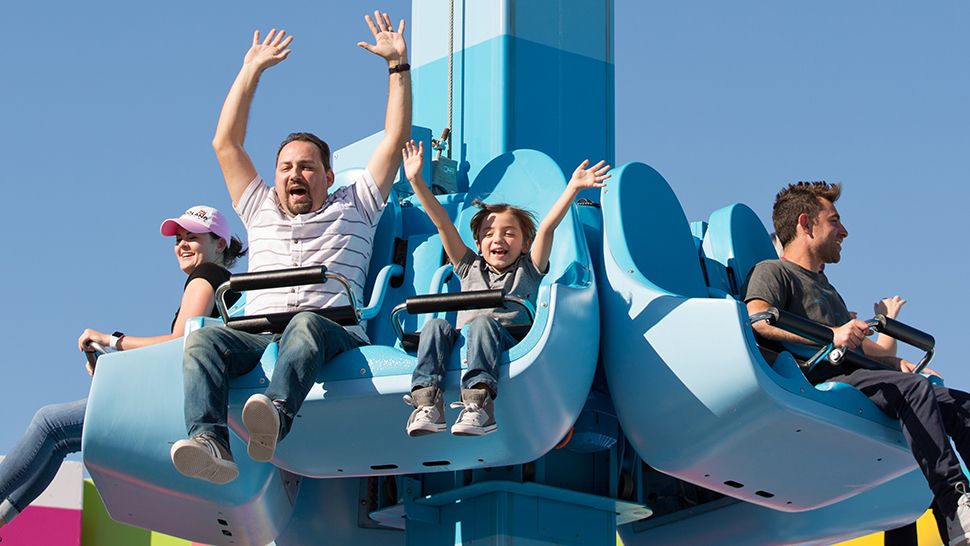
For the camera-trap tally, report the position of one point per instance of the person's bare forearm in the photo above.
(773, 333)
(437, 213)
(231, 128)
(237, 167)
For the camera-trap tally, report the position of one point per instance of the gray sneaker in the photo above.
(958, 522)
(204, 457)
(477, 417)
(428, 416)
(262, 419)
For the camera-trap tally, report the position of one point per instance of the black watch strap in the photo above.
(403, 67)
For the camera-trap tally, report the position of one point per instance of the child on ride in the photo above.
(513, 256)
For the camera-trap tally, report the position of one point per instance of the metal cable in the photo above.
(451, 64)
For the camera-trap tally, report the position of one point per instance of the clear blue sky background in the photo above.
(107, 110)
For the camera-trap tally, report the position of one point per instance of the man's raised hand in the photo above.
(268, 52)
(889, 306)
(388, 43)
(585, 177)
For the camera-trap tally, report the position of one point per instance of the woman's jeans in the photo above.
(485, 341)
(54, 432)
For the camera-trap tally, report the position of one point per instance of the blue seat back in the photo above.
(665, 255)
(737, 240)
(530, 180)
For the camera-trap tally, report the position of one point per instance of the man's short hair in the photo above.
(797, 199)
(527, 220)
(311, 138)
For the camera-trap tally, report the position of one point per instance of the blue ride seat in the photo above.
(738, 240)
(691, 389)
(134, 415)
(129, 430)
(352, 422)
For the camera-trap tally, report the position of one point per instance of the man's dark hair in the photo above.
(797, 199)
(311, 138)
(527, 220)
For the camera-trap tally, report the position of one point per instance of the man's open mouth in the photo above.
(297, 192)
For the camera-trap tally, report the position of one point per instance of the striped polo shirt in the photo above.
(339, 235)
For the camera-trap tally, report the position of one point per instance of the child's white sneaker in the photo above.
(428, 416)
(477, 417)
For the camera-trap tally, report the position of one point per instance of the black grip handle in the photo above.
(343, 315)
(905, 333)
(804, 327)
(279, 278)
(459, 301)
(856, 359)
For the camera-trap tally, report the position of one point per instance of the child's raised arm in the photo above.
(413, 156)
(582, 179)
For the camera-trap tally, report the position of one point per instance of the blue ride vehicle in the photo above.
(352, 422)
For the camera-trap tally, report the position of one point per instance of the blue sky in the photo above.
(108, 109)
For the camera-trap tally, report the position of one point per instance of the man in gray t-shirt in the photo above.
(811, 231)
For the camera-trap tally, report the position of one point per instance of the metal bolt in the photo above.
(363, 371)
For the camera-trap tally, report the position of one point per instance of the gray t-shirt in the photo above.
(790, 287)
(521, 279)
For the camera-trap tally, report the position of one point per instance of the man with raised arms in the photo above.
(811, 230)
(296, 223)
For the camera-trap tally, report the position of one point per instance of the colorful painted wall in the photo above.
(70, 513)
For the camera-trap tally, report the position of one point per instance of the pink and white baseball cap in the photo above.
(198, 219)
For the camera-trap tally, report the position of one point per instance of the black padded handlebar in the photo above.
(802, 326)
(278, 279)
(443, 303)
(905, 333)
(343, 315)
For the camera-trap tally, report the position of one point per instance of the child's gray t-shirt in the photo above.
(521, 279)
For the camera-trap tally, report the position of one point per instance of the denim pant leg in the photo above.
(485, 341)
(54, 432)
(212, 356)
(912, 399)
(437, 339)
(308, 342)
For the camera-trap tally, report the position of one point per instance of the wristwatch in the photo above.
(115, 340)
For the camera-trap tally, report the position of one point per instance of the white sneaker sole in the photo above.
(262, 420)
(472, 430)
(194, 460)
(423, 429)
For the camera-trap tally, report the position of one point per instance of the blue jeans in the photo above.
(485, 341)
(214, 355)
(54, 432)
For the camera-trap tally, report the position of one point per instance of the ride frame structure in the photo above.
(526, 91)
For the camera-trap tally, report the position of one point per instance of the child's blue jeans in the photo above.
(485, 341)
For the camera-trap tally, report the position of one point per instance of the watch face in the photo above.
(119, 334)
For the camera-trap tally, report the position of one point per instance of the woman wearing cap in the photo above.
(204, 249)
